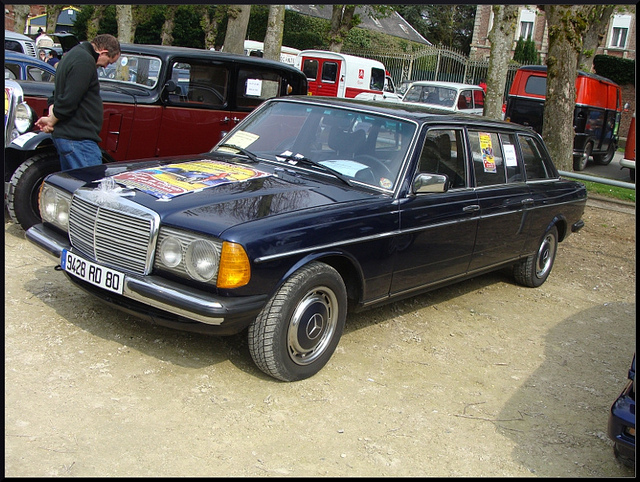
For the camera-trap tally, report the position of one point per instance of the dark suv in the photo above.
(158, 101)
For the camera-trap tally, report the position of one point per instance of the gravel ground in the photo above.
(483, 378)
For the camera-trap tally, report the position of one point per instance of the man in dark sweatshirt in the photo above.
(75, 108)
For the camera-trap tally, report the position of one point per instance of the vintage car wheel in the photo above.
(24, 188)
(580, 162)
(534, 269)
(298, 330)
(605, 159)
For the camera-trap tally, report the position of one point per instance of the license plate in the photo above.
(106, 278)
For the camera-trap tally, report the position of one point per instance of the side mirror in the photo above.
(171, 87)
(426, 182)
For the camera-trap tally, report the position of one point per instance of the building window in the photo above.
(527, 21)
(526, 30)
(619, 31)
(619, 37)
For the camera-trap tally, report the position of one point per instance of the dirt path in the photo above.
(483, 378)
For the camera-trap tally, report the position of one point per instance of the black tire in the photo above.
(298, 330)
(534, 269)
(580, 162)
(626, 461)
(24, 188)
(605, 159)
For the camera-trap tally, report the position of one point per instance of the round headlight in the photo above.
(171, 252)
(24, 118)
(201, 260)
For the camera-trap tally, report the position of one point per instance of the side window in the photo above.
(478, 99)
(205, 85)
(488, 163)
(310, 68)
(255, 86)
(443, 153)
(464, 101)
(514, 172)
(36, 73)
(377, 79)
(535, 162)
(329, 71)
(11, 71)
(388, 85)
(536, 85)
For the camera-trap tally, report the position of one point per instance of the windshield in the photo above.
(432, 95)
(362, 148)
(134, 69)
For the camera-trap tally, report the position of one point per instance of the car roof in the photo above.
(18, 57)
(437, 83)
(15, 35)
(420, 113)
(165, 52)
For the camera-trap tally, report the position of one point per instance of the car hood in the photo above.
(235, 192)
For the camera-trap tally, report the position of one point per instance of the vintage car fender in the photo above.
(30, 141)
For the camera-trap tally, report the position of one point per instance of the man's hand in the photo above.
(46, 123)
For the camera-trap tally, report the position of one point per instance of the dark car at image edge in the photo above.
(308, 209)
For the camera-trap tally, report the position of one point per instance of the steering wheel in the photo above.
(375, 164)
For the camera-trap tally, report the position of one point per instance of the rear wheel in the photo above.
(605, 159)
(534, 269)
(580, 162)
(24, 188)
(298, 330)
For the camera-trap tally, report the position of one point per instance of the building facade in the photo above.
(620, 39)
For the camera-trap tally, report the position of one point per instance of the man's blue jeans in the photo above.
(74, 154)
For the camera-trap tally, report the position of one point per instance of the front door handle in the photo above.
(472, 208)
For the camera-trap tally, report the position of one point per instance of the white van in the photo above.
(253, 48)
(332, 74)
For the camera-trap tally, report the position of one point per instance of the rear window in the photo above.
(536, 85)
(377, 79)
(329, 71)
(310, 68)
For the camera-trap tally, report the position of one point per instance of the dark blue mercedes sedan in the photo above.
(308, 208)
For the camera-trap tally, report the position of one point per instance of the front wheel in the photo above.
(298, 330)
(580, 162)
(24, 188)
(534, 269)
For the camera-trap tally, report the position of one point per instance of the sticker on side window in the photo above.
(487, 152)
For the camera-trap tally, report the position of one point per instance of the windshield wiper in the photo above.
(309, 162)
(241, 150)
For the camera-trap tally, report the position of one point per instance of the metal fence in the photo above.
(434, 63)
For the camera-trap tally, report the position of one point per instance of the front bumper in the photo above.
(622, 422)
(162, 301)
(628, 163)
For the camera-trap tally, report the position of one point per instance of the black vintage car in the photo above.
(158, 101)
(310, 206)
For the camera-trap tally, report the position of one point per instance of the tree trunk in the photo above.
(126, 28)
(341, 23)
(169, 23)
(21, 13)
(236, 28)
(53, 11)
(505, 18)
(210, 16)
(93, 26)
(275, 29)
(567, 25)
(594, 37)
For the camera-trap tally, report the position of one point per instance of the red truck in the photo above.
(596, 117)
